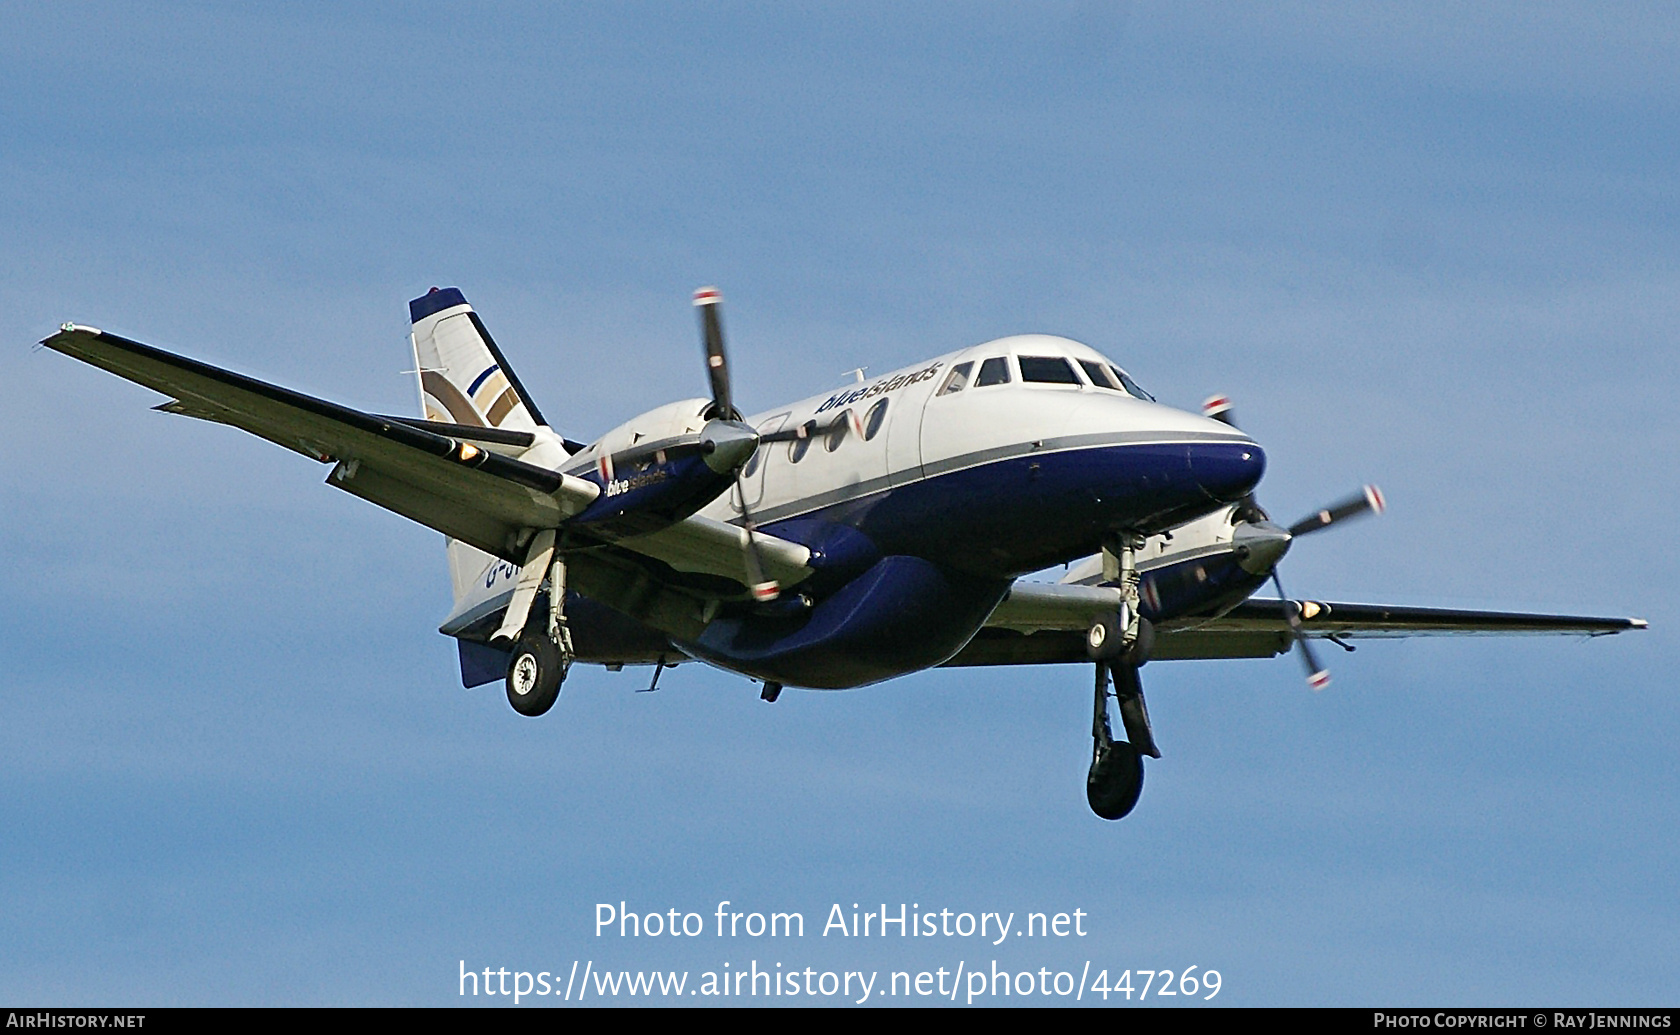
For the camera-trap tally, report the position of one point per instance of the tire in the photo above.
(534, 674)
(1144, 646)
(1115, 780)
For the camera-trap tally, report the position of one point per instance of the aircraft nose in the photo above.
(1227, 471)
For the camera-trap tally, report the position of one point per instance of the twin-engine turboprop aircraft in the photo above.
(838, 541)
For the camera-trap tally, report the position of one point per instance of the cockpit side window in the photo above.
(1048, 370)
(956, 380)
(1100, 375)
(1130, 386)
(994, 371)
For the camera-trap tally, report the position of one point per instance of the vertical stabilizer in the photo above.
(464, 379)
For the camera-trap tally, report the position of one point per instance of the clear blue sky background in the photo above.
(1422, 245)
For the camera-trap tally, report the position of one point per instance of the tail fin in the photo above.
(464, 379)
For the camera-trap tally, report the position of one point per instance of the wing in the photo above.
(442, 481)
(449, 477)
(1041, 624)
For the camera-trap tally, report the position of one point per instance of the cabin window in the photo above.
(955, 381)
(994, 371)
(1048, 370)
(798, 447)
(878, 413)
(837, 429)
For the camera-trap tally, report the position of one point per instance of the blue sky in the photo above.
(1430, 248)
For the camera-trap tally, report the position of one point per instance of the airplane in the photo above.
(842, 540)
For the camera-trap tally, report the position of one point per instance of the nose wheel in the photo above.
(1116, 778)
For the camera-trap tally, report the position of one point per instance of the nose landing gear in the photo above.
(1119, 644)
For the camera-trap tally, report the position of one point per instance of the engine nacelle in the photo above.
(659, 468)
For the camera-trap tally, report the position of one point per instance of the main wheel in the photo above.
(1104, 640)
(1115, 780)
(534, 674)
(1143, 646)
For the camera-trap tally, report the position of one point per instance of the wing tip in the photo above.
(68, 327)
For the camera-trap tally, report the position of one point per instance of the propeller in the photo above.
(707, 300)
(1266, 543)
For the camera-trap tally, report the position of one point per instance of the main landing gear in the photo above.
(542, 652)
(1119, 644)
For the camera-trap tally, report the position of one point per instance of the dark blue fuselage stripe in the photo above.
(1034, 510)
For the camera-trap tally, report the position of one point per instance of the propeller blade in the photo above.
(1368, 499)
(707, 300)
(1218, 407)
(1318, 677)
(793, 434)
(790, 434)
(763, 590)
(653, 452)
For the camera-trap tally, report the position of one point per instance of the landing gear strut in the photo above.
(1124, 636)
(541, 655)
(1119, 644)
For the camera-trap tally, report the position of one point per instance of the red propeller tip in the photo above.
(707, 296)
(1319, 680)
(1374, 496)
(1215, 404)
(765, 592)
